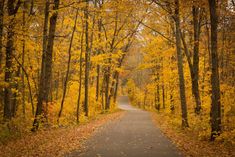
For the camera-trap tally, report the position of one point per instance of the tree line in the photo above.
(187, 55)
(62, 57)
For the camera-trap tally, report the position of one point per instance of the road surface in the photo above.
(133, 135)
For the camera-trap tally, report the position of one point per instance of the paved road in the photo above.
(133, 135)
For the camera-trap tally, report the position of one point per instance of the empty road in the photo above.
(133, 135)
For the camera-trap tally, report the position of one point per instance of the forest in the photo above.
(64, 64)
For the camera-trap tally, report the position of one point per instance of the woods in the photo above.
(40, 38)
(181, 67)
(65, 62)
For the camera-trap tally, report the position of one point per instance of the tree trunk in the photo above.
(23, 59)
(80, 77)
(163, 96)
(107, 81)
(15, 95)
(46, 69)
(8, 73)
(216, 104)
(12, 10)
(116, 89)
(98, 66)
(180, 67)
(86, 98)
(195, 70)
(41, 88)
(1, 31)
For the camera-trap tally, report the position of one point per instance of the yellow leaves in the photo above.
(97, 59)
(120, 70)
(147, 65)
(4, 84)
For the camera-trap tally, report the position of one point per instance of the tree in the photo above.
(12, 11)
(87, 55)
(180, 66)
(196, 11)
(46, 68)
(1, 31)
(215, 83)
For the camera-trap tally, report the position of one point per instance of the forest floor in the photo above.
(132, 135)
(188, 142)
(55, 141)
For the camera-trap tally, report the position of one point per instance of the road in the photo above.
(133, 135)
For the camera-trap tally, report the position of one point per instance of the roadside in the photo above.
(189, 143)
(56, 141)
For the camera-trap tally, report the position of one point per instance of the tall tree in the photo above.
(46, 68)
(215, 83)
(23, 57)
(1, 31)
(87, 55)
(195, 70)
(12, 9)
(80, 74)
(99, 23)
(180, 66)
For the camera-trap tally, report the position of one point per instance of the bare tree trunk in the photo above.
(107, 81)
(98, 66)
(180, 67)
(41, 89)
(158, 105)
(80, 77)
(103, 93)
(1, 31)
(216, 104)
(8, 73)
(116, 88)
(12, 10)
(46, 71)
(87, 54)
(23, 59)
(15, 95)
(32, 7)
(163, 96)
(1, 45)
(68, 68)
(195, 70)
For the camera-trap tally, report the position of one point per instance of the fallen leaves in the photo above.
(189, 144)
(54, 142)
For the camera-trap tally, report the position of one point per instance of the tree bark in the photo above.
(46, 69)
(23, 60)
(216, 104)
(1, 31)
(107, 82)
(15, 95)
(180, 67)
(80, 77)
(87, 54)
(195, 70)
(116, 88)
(12, 10)
(98, 66)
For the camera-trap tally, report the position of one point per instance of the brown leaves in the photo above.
(53, 142)
(189, 143)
